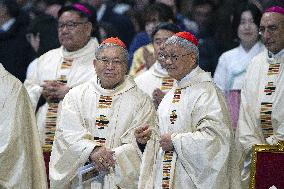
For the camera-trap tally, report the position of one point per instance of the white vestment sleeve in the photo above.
(72, 147)
(128, 156)
(204, 152)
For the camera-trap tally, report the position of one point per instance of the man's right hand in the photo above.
(103, 159)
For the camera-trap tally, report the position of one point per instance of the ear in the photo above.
(94, 62)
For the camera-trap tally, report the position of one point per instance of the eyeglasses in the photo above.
(107, 61)
(69, 25)
(172, 57)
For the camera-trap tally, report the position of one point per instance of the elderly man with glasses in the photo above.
(261, 119)
(60, 69)
(194, 123)
(107, 123)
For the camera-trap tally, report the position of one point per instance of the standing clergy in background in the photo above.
(98, 124)
(261, 119)
(156, 82)
(21, 160)
(61, 69)
(194, 123)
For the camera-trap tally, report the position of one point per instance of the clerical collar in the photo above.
(272, 56)
(8, 24)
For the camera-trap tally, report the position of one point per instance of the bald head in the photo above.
(272, 31)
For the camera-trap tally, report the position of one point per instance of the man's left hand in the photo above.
(166, 142)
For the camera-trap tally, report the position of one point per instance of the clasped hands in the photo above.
(103, 159)
(143, 134)
(54, 91)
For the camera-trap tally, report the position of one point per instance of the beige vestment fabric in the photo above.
(257, 91)
(93, 116)
(21, 161)
(49, 68)
(155, 77)
(195, 112)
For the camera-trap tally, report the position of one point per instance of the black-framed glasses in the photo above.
(69, 25)
(172, 57)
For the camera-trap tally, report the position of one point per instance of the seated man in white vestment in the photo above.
(102, 122)
(156, 82)
(21, 160)
(60, 69)
(261, 119)
(194, 123)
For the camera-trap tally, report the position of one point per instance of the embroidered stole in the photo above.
(104, 112)
(167, 84)
(51, 115)
(168, 155)
(268, 98)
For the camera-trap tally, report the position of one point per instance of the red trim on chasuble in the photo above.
(267, 101)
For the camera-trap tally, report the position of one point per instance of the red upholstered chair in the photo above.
(267, 168)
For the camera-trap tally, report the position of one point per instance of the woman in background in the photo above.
(232, 64)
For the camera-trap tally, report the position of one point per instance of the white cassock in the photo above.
(92, 116)
(73, 68)
(231, 68)
(261, 119)
(21, 161)
(155, 77)
(195, 112)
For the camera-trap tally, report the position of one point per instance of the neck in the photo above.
(4, 19)
(248, 45)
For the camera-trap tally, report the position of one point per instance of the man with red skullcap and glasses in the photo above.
(194, 125)
(106, 122)
(261, 119)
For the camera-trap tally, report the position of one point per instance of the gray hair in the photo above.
(175, 40)
(101, 47)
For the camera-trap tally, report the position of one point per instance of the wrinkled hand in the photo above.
(158, 96)
(148, 57)
(103, 159)
(166, 142)
(54, 90)
(142, 134)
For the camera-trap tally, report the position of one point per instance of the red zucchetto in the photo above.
(276, 9)
(114, 40)
(188, 36)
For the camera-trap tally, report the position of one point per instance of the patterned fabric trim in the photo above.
(173, 117)
(51, 115)
(167, 160)
(167, 84)
(102, 121)
(176, 96)
(100, 141)
(105, 101)
(267, 100)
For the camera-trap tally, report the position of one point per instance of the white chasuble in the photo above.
(155, 77)
(21, 160)
(195, 113)
(71, 68)
(92, 116)
(261, 118)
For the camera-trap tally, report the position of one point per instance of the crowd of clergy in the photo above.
(81, 120)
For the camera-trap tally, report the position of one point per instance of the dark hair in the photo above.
(46, 26)
(163, 11)
(255, 12)
(91, 15)
(12, 7)
(165, 26)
